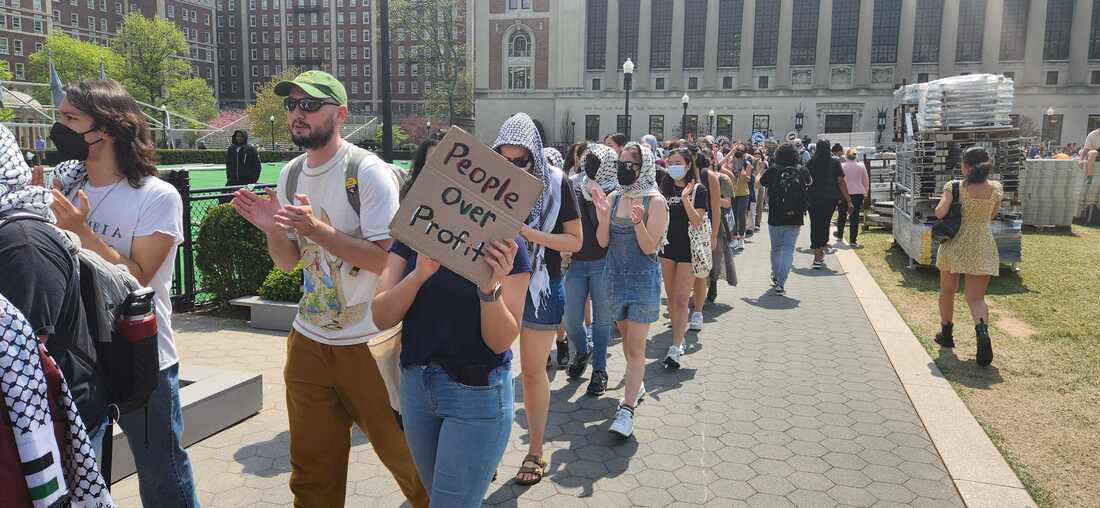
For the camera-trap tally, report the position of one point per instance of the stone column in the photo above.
(612, 65)
(991, 37)
(676, 64)
(1033, 52)
(1079, 43)
(822, 74)
(863, 43)
(642, 80)
(748, 31)
(783, 57)
(480, 31)
(904, 68)
(949, 41)
(710, 54)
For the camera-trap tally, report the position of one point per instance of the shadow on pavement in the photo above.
(967, 372)
(278, 449)
(772, 301)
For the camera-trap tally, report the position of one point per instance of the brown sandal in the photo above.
(537, 468)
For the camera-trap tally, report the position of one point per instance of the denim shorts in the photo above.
(635, 296)
(551, 311)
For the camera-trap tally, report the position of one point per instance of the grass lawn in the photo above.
(1040, 400)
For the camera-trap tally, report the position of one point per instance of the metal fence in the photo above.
(187, 284)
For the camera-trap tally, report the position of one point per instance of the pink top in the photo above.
(855, 175)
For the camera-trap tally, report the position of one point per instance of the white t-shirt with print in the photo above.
(335, 308)
(120, 213)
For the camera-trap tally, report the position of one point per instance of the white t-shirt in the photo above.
(1092, 141)
(336, 296)
(120, 213)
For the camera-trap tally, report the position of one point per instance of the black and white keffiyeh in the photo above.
(16, 191)
(607, 176)
(73, 175)
(519, 130)
(52, 480)
(553, 157)
(646, 184)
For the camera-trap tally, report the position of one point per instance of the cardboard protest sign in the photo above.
(466, 196)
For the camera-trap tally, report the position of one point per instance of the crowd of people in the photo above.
(618, 225)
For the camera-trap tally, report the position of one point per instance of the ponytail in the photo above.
(980, 164)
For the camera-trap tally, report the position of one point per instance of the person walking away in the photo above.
(332, 380)
(738, 170)
(972, 252)
(859, 185)
(632, 225)
(709, 179)
(787, 184)
(42, 280)
(456, 374)
(107, 193)
(586, 280)
(553, 227)
(242, 164)
(687, 205)
(827, 187)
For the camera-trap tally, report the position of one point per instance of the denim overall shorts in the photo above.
(633, 277)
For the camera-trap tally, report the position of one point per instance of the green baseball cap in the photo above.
(317, 84)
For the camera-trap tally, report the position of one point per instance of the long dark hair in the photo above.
(668, 184)
(574, 151)
(980, 164)
(786, 155)
(822, 152)
(116, 112)
(421, 158)
(619, 138)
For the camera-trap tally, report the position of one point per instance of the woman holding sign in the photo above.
(632, 223)
(456, 373)
(553, 227)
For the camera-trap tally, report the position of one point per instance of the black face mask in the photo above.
(739, 154)
(627, 175)
(70, 144)
(591, 167)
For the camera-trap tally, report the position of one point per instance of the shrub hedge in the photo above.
(231, 254)
(217, 156)
(283, 286)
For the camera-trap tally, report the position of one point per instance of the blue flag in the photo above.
(56, 88)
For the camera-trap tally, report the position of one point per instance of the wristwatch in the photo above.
(491, 296)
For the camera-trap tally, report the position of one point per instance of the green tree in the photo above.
(436, 30)
(194, 98)
(75, 60)
(151, 65)
(269, 105)
(399, 134)
(6, 114)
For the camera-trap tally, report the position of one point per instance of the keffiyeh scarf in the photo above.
(646, 184)
(52, 480)
(553, 157)
(607, 177)
(72, 175)
(519, 130)
(16, 192)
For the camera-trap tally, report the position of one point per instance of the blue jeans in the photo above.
(164, 470)
(783, 239)
(457, 433)
(584, 279)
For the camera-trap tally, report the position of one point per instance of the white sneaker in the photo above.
(672, 360)
(624, 422)
(696, 322)
(588, 331)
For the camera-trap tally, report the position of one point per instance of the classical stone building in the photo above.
(757, 64)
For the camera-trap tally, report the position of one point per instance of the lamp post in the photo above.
(684, 119)
(429, 125)
(710, 122)
(628, 79)
(387, 107)
(1048, 128)
(881, 125)
(572, 130)
(272, 120)
(799, 121)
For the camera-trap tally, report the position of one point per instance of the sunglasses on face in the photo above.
(307, 105)
(632, 166)
(522, 162)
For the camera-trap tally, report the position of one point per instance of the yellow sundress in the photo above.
(973, 251)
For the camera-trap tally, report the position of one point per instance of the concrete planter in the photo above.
(268, 314)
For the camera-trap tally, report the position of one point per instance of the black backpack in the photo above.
(788, 192)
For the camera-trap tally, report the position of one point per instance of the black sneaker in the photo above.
(563, 354)
(779, 290)
(945, 338)
(598, 385)
(819, 264)
(838, 235)
(579, 364)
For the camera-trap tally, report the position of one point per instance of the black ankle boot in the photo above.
(985, 346)
(945, 337)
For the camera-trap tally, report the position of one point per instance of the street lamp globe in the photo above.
(1050, 111)
(271, 118)
(685, 99)
(711, 113)
(628, 67)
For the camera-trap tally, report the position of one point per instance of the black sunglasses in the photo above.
(523, 162)
(632, 166)
(307, 105)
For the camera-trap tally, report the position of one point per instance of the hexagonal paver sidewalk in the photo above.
(780, 402)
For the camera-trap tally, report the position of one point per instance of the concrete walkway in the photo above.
(781, 401)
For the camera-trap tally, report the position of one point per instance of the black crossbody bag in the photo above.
(947, 227)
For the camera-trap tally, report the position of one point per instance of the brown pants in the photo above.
(327, 389)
